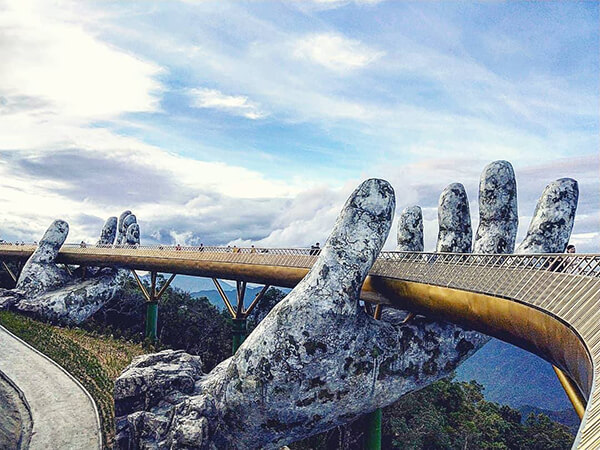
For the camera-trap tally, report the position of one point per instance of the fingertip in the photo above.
(454, 218)
(410, 229)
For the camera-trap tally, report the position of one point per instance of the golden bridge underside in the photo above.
(545, 304)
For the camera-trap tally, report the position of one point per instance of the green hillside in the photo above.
(514, 377)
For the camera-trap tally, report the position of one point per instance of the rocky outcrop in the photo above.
(48, 291)
(410, 230)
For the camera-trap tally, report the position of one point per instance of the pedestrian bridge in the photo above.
(546, 304)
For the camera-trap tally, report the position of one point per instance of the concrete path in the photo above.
(64, 415)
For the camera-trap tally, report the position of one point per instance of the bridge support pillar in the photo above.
(572, 392)
(152, 298)
(151, 320)
(374, 419)
(11, 274)
(239, 333)
(239, 313)
(373, 434)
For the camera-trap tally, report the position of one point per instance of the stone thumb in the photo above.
(51, 242)
(355, 242)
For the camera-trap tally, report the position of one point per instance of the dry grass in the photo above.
(112, 354)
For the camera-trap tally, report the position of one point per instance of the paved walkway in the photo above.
(64, 416)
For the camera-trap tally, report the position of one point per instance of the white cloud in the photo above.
(234, 104)
(55, 68)
(335, 52)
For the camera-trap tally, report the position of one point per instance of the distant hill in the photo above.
(193, 284)
(213, 296)
(567, 417)
(514, 377)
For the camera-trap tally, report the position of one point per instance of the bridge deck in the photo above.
(546, 304)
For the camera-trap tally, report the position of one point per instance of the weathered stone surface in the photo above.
(46, 290)
(132, 236)
(410, 230)
(76, 300)
(109, 232)
(552, 222)
(152, 378)
(121, 228)
(498, 213)
(454, 219)
(39, 273)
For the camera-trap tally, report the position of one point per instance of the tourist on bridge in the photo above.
(560, 263)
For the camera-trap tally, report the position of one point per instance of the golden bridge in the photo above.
(543, 303)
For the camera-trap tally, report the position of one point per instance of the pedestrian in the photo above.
(315, 249)
(560, 263)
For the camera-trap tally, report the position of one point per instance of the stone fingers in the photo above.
(121, 230)
(132, 237)
(455, 233)
(498, 213)
(128, 229)
(109, 232)
(552, 222)
(410, 230)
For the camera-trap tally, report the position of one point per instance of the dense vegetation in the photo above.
(451, 415)
(94, 360)
(184, 322)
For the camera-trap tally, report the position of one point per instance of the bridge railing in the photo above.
(441, 268)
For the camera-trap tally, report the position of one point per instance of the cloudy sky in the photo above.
(251, 122)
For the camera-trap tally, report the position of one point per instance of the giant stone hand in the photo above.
(49, 291)
(318, 360)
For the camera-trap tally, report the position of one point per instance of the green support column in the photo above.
(373, 432)
(239, 333)
(151, 320)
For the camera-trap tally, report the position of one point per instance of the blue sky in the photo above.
(221, 122)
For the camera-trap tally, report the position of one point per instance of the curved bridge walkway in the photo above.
(63, 414)
(546, 304)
